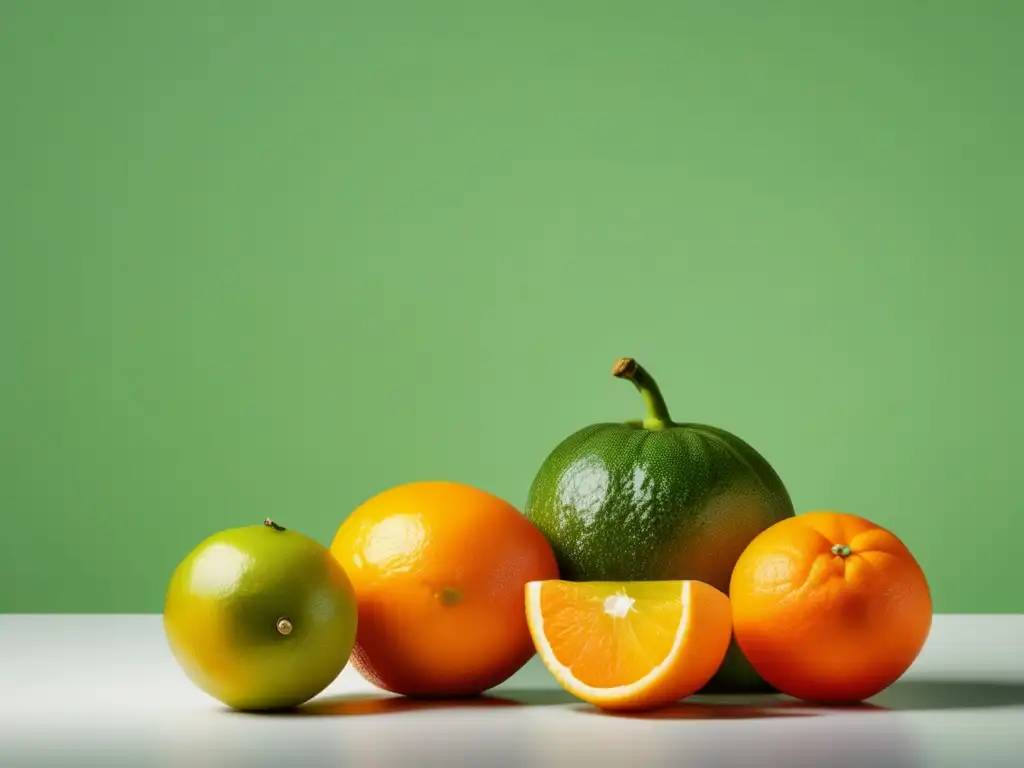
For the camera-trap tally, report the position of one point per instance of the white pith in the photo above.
(618, 605)
(565, 676)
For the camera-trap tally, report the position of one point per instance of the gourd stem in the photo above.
(657, 411)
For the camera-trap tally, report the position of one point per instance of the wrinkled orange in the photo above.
(829, 607)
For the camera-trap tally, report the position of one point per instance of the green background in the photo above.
(269, 258)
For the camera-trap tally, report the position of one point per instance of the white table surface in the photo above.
(104, 690)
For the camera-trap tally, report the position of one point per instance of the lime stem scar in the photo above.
(284, 626)
(840, 550)
(271, 524)
(657, 411)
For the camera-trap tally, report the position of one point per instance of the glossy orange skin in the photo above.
(439, 570)
(825, 627)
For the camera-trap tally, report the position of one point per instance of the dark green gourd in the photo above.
(656, 499)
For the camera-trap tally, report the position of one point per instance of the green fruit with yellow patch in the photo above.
(657, 500)
(260, 617)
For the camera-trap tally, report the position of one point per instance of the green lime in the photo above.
(260, 617)
(656, 500)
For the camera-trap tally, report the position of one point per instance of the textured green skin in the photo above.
(619, 502)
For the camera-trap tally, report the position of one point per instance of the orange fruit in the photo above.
(829, 607)
(629, 645)
(439, 570)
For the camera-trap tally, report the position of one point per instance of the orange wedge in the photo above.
(629, 645)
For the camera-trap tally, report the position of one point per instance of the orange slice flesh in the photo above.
(629, 645)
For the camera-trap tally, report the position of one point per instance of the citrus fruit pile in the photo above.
(653, 560)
